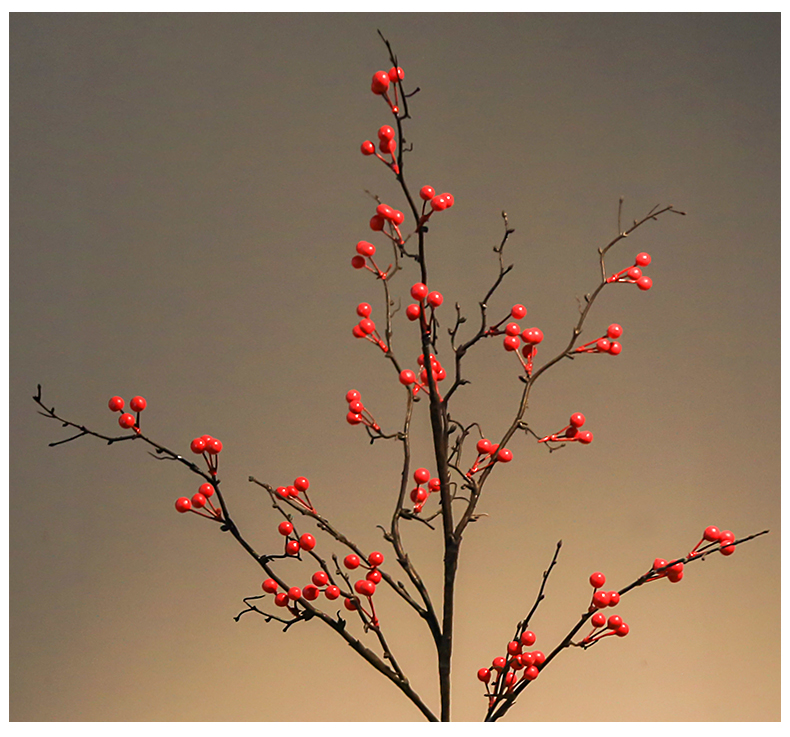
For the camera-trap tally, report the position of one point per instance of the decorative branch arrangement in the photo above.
(445, 502)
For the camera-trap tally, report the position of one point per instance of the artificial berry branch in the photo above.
(457, 485)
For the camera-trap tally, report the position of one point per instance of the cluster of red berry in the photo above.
(514, 335)
(408, 377)
(381, 83)
(127, 420)
(357, 414)
(419, 495)
(614, 625)
(713, 535)
(507, 668)
(366, 328)
(300, 485)
(488, 451)
(438, 202)
(386, 215)
(571, 432)
(420, 292)
(292, 544)
(210, 448)
(633, 274)
(199, 501)
(365, 252)
(387, 145)
(606, 343)
(366, 586)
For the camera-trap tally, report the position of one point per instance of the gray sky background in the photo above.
(186, 194)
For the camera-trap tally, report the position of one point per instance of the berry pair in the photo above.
(357, 414)
(365, 253)
(381, 82)
(437, 202)
(419, 495)
(606, 343)
(633, 274)
(199, 501)
(614, 626)
(487, 451)
(571, 432)
(300, 485)
(387, 145)
(210, 448)
(128, 421)
(386, 215)
(366, 328)
(294, 544)
(601, 599)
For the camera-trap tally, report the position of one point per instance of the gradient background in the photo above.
(186, 193)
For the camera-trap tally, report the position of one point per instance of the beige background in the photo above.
(186, 193)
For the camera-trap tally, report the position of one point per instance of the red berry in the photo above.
(602, 344)
(357, 332)
(622, 630)
(419, 292)
(533, 336)
(310, 592)
(320, 578)
(427, 192)
(634, 273)
(531, 673)
(214, 446)
(440, 375)
(528, 638)
(352, 395)
(518, 312)
(512, 329)
(528, 659)
(504, 455)
(585, 436)
(418, 495)
(601, 599)
(307, 541)
(614, 621)
(449, 199)
(285, 528)
(711, 534)
(438, 203)
(353, 419)
(484, 447)
(413, 312)
(116, 404)
(367, 326)
(292, 491)
(725, 536)
(350, 604)
(356, 408)
(183, 504)
(302, 483)
(206, 439)
(137, 404)
(380, 83)
(332, 592)
(351, 562)
(269, 586)
(374, 575)
(540, 658)
(281, 599)
(385, 211)
(398, 217)
(514, 648)
(614, 330)
(292, 548)
(283, 491)
(511, 343)
(386, 132)
(358, 262)
(387, 147)
(198, 501)
(598, 619)
(597, 580)
(644, 283)
(499, 663)
(510, 678)
(206, 490)
(364, 309)
(365, 587)
(643, 259)
(377, 222)
(126, 420)
(407, 377)
(484, 675)
(294, 593)
(434, 484)
(375, 559)
(435, 299)
(615, 348)
(367, 148)
(365, 249)
(395, 74)
(614, 598)
(577, 419)
(658, 563)
(421, 475)
(674, 576)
